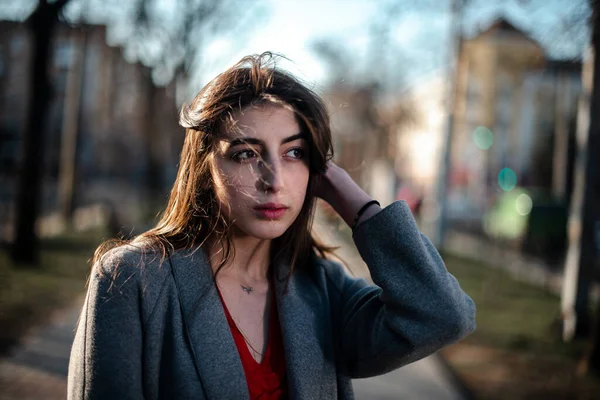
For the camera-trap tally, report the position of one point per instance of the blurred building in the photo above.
(514, 133)
(514, 126)
(366, 125)
(122, 128)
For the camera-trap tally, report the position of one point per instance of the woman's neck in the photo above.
(251, 258)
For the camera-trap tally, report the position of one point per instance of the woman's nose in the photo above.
(271, 177)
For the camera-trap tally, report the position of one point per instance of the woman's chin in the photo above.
(266, 230)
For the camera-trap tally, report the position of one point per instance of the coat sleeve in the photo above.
(106, 355)
(416, 308)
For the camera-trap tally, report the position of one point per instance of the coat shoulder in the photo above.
(136, 272)
(130, 257)
(132, 264)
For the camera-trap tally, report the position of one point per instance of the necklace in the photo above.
(246, 339)
(244, 335)
(247, 289)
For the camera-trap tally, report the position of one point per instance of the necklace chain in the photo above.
(244, 335)
(248, 290)
(246, 339)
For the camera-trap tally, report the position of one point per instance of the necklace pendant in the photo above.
(246, 289)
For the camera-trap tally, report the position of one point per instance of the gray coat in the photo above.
(160, 332)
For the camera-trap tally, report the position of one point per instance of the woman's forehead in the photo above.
(263, 122)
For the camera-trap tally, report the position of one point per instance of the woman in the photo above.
(229, 296)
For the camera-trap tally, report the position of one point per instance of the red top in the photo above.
(267, 380)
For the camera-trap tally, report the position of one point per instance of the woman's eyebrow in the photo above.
(244, 140)
(297, 136)
(251, 140)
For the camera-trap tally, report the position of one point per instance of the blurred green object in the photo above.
(504, 221)
(532, 218)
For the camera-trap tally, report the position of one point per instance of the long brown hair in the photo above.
(193, 214)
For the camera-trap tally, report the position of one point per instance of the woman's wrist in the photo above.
(347, 198)
(361, 212)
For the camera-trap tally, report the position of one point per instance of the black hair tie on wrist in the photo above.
(361, 212)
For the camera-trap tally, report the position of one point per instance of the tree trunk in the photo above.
(591, 215)
(25, 247)
(70, 129)
(581, 255)
(153, 141)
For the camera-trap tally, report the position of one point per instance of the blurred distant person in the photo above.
(230, 297)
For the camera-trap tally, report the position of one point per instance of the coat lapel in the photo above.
(217, 360)
(304, 322)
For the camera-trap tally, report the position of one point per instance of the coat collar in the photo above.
(301, 314)
(212, 344)
(304, 318)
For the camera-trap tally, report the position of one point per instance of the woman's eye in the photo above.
(243, 155)
(295, 153)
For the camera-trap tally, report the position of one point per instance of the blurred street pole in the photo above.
(584, 214)
(41, 23)
(446, 150)
(152, 142)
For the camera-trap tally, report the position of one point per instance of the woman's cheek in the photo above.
(236, 175)
(298, 181)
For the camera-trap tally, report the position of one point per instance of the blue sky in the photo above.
(290, 28)
(418, 36)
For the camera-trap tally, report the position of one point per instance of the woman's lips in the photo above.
(271, 211)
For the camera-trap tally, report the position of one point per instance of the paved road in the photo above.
(426, 379)
(38, 369)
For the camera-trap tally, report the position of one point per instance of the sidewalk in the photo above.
(38, 369)
(426, 379)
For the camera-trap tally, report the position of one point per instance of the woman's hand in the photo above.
(325, 187)
(338, 189)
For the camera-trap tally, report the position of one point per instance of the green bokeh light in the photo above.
(507, 179)
(483, 137)
(507, 218)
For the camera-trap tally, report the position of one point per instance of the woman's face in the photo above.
(262, 171)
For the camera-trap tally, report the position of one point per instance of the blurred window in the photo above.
(63, 54)
(17, 43)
